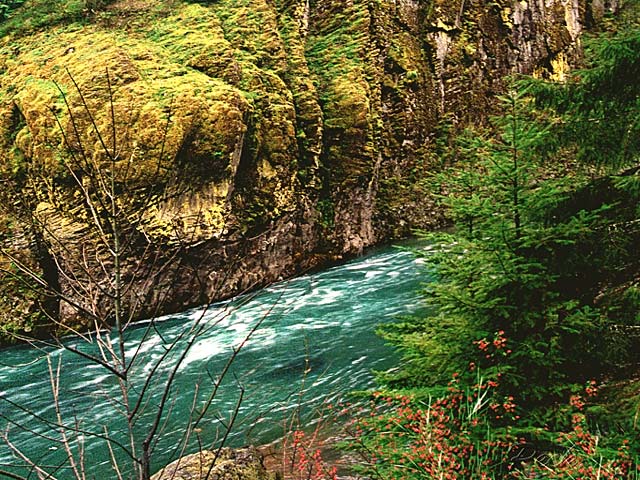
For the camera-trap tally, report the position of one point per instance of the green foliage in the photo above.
(537, 287)
(583, 453)
(38, 14)
(600, 106)
(467, 432)
(490, 187)
(6, 6)
(510, 268)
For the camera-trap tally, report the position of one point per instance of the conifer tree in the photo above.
(513, 269)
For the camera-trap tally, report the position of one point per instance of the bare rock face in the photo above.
(474, 40)
(242, 464)
(243, 142)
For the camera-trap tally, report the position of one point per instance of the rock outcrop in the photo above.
(245, 140)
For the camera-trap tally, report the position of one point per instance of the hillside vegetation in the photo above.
(527, 367)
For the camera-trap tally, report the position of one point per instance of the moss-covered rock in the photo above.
(253, 138)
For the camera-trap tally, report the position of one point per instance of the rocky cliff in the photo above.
(205, 148)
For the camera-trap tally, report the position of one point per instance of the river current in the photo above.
(306, 342)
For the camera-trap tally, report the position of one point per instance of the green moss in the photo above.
(251, 26)
(266, 110)
(309, 116)
(150, 88)
(251, 29)
(339, 55)
(36, 15)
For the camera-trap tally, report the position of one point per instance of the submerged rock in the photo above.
(231, 464)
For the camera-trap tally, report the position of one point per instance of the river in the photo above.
(321, 323)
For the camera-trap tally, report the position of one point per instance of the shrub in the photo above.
(6, 6)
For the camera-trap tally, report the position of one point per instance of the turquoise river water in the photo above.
(322, 322)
